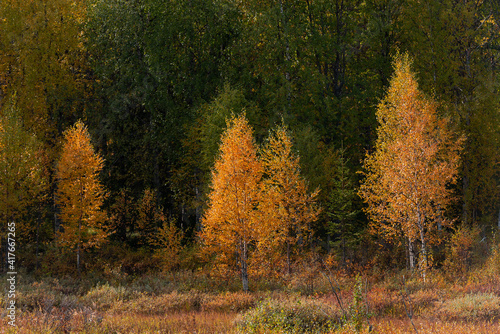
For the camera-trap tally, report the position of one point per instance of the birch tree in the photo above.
(416, 156)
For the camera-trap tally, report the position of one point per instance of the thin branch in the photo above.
(370, 327)
(410, 312)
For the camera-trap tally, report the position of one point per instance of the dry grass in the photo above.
(180, 322)
(155, 305)
(426, 326)
(92, 323)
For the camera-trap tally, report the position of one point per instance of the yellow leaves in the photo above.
(416, 156)
(80, 194)
(168, 240)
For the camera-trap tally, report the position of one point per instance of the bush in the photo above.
(462, 251)
(290, 316)
(481, 306)
(230, 301)
(106, 296)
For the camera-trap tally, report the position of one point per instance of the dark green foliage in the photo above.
(154, 62)
(155, 81)
(191, 175)
(341, 207)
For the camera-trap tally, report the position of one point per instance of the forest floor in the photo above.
(332, 303)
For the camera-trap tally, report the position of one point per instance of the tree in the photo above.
(455, 45)
(288, 207)
(416, 156)
(190, 178)
(22, 180)
(168, 239)
(341, 209)
(230, 223)
(150, 218)
(42, 62)
(80, 194)
(149, 89)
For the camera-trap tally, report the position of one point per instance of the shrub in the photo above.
(471, 307)
(462, 250)
(492, 265)
(291, 316)
(106, 296)
(230, 301)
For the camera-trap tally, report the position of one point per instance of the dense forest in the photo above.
(248, 136)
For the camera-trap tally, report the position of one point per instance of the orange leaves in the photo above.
(286, 207)
(168, 240)
(80, 194)
(235, 189)
(416, 156)
(246, 211)
(229, 222)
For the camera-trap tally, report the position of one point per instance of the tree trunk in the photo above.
(411, 254)
(288, 269)
(287, 56)
(78, 248)
(343, 252)
(424, 262)
(244, 272)
(37, 242)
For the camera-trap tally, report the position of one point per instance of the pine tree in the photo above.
(341, 210)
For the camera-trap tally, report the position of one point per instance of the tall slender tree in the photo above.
(288, 209)
(416, 156)
(80, 194)
(231, 224)
(341, 204)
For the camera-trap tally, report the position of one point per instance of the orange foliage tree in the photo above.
(288, 208)
(230, 223)
(80, 194)
(416, 156)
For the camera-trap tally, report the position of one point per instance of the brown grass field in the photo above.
(152, 304)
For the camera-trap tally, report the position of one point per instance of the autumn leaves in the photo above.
(80, 194)
(259, 210)
(259, 205)
(416, 157)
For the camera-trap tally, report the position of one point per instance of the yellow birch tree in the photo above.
(416, 156)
